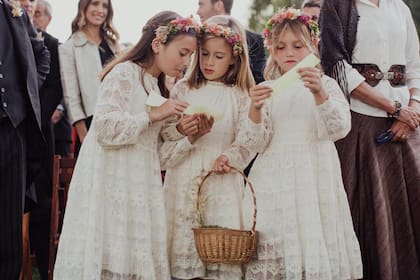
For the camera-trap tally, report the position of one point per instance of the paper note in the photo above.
(191, 110)
(291, 76)
(155, 99)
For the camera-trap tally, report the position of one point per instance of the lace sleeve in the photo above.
(247, 136)
(333, 116)
(174, 146)
(114, 123)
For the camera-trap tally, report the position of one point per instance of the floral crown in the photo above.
(179, 25)
(230, 36)
(290, 14)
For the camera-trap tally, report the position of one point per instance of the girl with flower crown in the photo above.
(115, 225)
(304, 223)
(219, 80)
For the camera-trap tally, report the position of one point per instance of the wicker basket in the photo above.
(224, 245)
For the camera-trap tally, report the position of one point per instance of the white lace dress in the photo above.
(222, 194)
(304, 222)
(115, 225)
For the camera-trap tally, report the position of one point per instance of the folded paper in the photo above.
(155, 99)
(195, 109)
(292, 76)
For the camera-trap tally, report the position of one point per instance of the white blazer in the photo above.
(80, 66)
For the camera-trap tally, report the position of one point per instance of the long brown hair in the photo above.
(239, 74)
(106, 31)
(142, 52)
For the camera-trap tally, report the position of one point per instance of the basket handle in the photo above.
(251, 188)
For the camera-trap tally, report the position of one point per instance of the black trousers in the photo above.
(12, 185)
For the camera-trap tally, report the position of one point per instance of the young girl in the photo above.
(115, 225)
(219, 80)
(304, 223)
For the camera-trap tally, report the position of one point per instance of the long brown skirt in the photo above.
(383, 188)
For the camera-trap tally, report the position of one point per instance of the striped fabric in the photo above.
(12, 182)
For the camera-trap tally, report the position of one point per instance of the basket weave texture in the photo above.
(224, 245)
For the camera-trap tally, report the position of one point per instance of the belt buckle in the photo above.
(384, 75)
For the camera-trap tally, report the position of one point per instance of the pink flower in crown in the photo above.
(230, 36)
(290, 14)
(186, 25)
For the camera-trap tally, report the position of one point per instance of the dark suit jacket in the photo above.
(34, 60)
(51, 92)
(34, 57)
(256, 55)
(50, 96)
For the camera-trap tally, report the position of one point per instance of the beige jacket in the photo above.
(80, 66)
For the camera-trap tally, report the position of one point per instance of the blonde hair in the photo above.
(239, 74)
(272, 70)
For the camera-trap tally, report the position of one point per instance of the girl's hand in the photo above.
(188, 124)
(258, 95)
(169, 108)
(410, 116)
(401, 131)
(221, 165)
(312, 79)
(205, 123)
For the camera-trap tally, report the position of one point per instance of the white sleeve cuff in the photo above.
(354, 78)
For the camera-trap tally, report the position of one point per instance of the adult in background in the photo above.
(24, 64)
(379, 71)
(59, 118)
(209, 8)
(312, 8)
(92, 44)
(50, 96)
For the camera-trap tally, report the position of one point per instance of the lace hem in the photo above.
(279, 269)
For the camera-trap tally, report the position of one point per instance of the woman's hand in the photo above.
(312, 79)
(205, 123)
(81, 130)
(410, 116)
(221, 165)
(401, 131)
(169, 108)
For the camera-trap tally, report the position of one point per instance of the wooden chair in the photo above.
(26, 272)
(62, 173)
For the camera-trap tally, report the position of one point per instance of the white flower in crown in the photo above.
(17, 10)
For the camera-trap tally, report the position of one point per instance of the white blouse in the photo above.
(386, 35)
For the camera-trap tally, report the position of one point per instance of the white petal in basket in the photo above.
(292, 75)
(196, 109)
(155, 99)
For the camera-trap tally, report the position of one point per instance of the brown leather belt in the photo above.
(371, 72)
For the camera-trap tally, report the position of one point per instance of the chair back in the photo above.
(62, 173)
